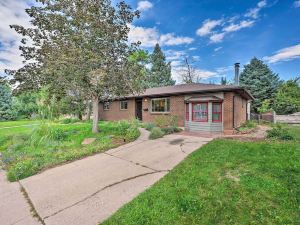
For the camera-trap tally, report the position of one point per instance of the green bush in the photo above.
(166, 121)
(280, 133)
(170, 130)
(248, 125)
(45, 135)
(70, 120)
(156, 132)
(149, 126)
(22, 170)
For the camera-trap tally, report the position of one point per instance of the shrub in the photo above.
(122, 127)
(170, 130)
(166, 121)
(156, 132)
(46, 135)
(149, 126)
(70, 120)
(248, 125)
(22, 170)
(280, 133)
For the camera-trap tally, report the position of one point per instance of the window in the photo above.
(161, 105)
(200, 112)
(123, 105)
(187, 112)
(106, 105)
(217, 112)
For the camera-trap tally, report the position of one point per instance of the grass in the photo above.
(18, 123)
(225, 182)
(28, 150)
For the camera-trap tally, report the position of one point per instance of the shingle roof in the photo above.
(193, 88)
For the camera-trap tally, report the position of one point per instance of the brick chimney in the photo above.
(237, 74)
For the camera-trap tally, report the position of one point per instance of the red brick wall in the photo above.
(239, 113)
(240, 110)
(177, 108)
(114, 112)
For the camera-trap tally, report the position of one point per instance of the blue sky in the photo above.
(213, 33)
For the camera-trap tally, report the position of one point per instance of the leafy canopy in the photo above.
(287, 100)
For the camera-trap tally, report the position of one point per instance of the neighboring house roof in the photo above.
(193, 88)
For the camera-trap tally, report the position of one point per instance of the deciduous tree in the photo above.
(79, 45)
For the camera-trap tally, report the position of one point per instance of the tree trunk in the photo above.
(95, 114)
(89, 110)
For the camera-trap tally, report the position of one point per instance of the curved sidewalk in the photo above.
(89, 190)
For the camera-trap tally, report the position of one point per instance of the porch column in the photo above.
(190, 111)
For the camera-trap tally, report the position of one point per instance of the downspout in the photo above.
(233, 109)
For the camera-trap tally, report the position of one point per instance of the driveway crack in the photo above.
(32, 208)
(102, 189)
(136, 163)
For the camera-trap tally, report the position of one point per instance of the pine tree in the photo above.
(160, 73)
(224, 81)
(5, 102)
(260, 81)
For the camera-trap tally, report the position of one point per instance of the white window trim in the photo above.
(121, 105)
(166, 112)
(104, 106)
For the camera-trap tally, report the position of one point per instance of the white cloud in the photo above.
(216, 30)
(200, 73)
(144, 5)
(235, 27)
(11, 12)
(285, 54)
(254, 12)
(216, 38)
(207, 27)
(150, 36)
(296, 4)
(192, 49)
(218, 49)
(174, 55)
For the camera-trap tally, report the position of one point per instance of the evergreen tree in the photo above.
(160, 73)
(261, 82)
(5, 102)
(224, 81)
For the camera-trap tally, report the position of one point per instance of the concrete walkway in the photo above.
(14, 208)
(88, 191)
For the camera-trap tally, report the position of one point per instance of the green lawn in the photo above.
(26, 150)
(225, 182)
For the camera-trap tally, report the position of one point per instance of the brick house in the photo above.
(198, 107)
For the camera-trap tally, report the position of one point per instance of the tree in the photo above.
(80, 45)
(287, 100)
(160, 73)
(260, 81)
(224, 81)
(6, 112)
(25, 105)
(188, 72)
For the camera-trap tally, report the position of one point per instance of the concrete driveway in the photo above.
(88, 191)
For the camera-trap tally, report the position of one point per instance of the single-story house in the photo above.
(198, 107)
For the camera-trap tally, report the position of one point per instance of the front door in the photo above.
(138, 109)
